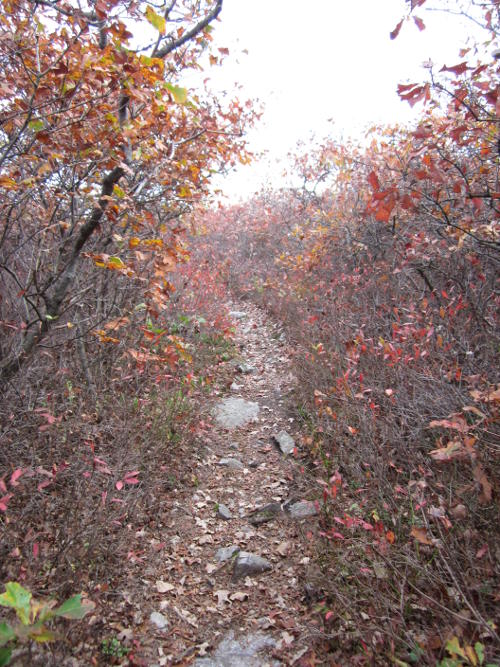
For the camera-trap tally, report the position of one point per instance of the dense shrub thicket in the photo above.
(383, 269)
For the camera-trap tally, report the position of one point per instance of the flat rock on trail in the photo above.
(232, 591)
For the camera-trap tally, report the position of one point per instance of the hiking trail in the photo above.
(232, 591)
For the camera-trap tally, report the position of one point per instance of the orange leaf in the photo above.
(373, 180)
(420, 534)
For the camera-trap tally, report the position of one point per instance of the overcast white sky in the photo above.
(314, 60)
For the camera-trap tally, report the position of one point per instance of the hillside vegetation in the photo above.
(381, 269)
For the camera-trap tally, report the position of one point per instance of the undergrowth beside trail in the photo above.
(88, 471)
(392, 321)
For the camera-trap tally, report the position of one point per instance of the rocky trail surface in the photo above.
(230, 591)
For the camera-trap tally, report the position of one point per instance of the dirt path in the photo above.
(207, 611)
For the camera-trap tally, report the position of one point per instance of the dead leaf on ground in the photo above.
(487, 489)
(164, 586)
(420, 534)
(222, 596)
(240, 596)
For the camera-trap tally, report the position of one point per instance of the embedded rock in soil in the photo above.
(302, 509)
(265, 514)
(285, 441)
(237, 314)
(249, 565)
(234, 412)
(246, 369)
(231, 463)
(159, 620)
(225, 553)
(224, 512)
(243, 652)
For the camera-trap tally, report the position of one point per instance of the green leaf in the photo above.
(74, 608)
(479, 649)
(116, 262)
(179, 94)
(118, 191)
(5, 654)
(43, 635)
(36, 125)
(7, 634)
(17, 598)
(156, 20)
(453, 647)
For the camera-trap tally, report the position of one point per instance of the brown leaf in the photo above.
(222, 596)
(487, 489)
(420, 534)
(164, 586)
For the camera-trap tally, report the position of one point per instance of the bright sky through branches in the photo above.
(323, 66)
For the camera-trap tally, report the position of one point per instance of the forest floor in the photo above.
(191, 607)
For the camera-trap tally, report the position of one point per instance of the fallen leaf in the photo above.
(284, 548)
(420, 534)
(202, 649)
(240, 596)
(164, 586)
(222, 596)
(480, 477)
(287, 638)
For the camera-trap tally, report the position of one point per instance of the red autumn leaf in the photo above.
(482, 551)
(458, 424)
(373, 180)
(3, 502)
(419, 23)
(455, 69)
(383, 212)
(131, 477)
(396, 30)
(119, 485)
(15, 476)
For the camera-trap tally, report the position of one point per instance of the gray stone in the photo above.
(225, 553)
(224, 512)
(249, 565)
(243, 652)
(265, 514)
(285, 441)
(231, 463)
(159, 620)
(233, 412)
(237, 314)
(246, 369)
(302, 509)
